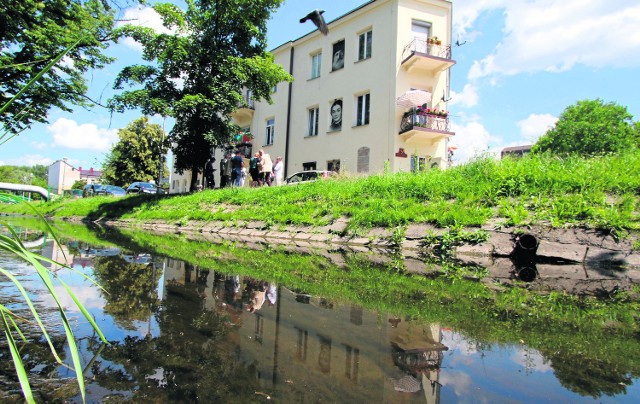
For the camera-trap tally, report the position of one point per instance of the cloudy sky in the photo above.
(522, 63)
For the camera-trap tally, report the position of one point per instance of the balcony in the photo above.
(423, 127)
(245, 109)
(424, 54)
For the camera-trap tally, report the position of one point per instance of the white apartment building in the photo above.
(351, 106)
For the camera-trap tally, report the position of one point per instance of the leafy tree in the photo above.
(79, 184)
(33, 33)
(198, 73)
(591, 127)
(137, 154)
(36, 175)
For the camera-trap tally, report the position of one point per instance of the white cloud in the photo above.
(467, 98)
(38, 145)
(556, 35)
(536, 125)
(472, 139)
(532, 360)
(28, 160)
(143, 17)
(68, 133)
(466, 12)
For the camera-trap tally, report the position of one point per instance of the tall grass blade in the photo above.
(17, 361)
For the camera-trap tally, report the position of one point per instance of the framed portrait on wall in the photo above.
(335, 113)
(338, 56)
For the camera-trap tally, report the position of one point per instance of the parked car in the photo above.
(91, 190)
(111, 190)
(143, 188)
(306, 176)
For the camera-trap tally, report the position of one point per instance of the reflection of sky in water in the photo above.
(504, 374)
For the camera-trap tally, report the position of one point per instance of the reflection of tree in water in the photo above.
(589, 377)
(131, 288)
(191, 360)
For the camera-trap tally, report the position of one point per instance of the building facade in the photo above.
(369, 96)
(61, 176)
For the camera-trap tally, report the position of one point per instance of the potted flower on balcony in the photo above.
(434, 40)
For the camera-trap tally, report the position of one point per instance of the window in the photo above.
(270, 132)
(309, 166)
(313, 122)
(418, 163)
(362, 109)
(316, 63)
(420, 31)
(338, 56)
(274, 89)
(364, 45)
(333, 165)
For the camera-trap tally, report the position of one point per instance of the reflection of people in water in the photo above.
(338, 56)
(257, 297)
(336, 115)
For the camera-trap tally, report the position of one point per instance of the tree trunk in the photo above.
(195, 170)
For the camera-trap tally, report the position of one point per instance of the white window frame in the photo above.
(363, 109)
(270, 131)
(313, 119)
(316, 65)
(365, 45)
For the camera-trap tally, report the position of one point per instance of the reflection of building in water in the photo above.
(303, 348)
(58, 253)
(418, 352)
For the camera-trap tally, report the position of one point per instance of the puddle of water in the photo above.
(183, 333)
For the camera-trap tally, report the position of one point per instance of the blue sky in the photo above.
(523, 63)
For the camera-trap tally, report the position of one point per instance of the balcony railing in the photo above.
(247, 102)
(427, 55)
(416, 119)
(424, 47)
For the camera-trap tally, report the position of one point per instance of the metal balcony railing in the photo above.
(247, 102)
(414, 119)
(424, 47)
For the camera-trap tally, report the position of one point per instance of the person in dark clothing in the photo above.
(225, 170)
(237, 162)
(209, 169)
(254, 170)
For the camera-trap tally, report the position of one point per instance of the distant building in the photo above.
(352, 106)
(62, 176)
(515, 151)
(90, 175)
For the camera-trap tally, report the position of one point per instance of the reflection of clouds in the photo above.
(87, 294)
(531, 359)
(460, 382)
(457, 342)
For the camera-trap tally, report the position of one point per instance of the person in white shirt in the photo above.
(278, 171)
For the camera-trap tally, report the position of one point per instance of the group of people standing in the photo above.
(262, 169)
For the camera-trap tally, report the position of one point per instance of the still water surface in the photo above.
(182, 333)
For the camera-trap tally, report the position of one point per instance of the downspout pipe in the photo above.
(287, 135)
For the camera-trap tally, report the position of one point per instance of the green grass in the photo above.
(600, 192)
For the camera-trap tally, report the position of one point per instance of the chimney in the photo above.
(91, 170)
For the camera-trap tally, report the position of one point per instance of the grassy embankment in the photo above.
(601, 192)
